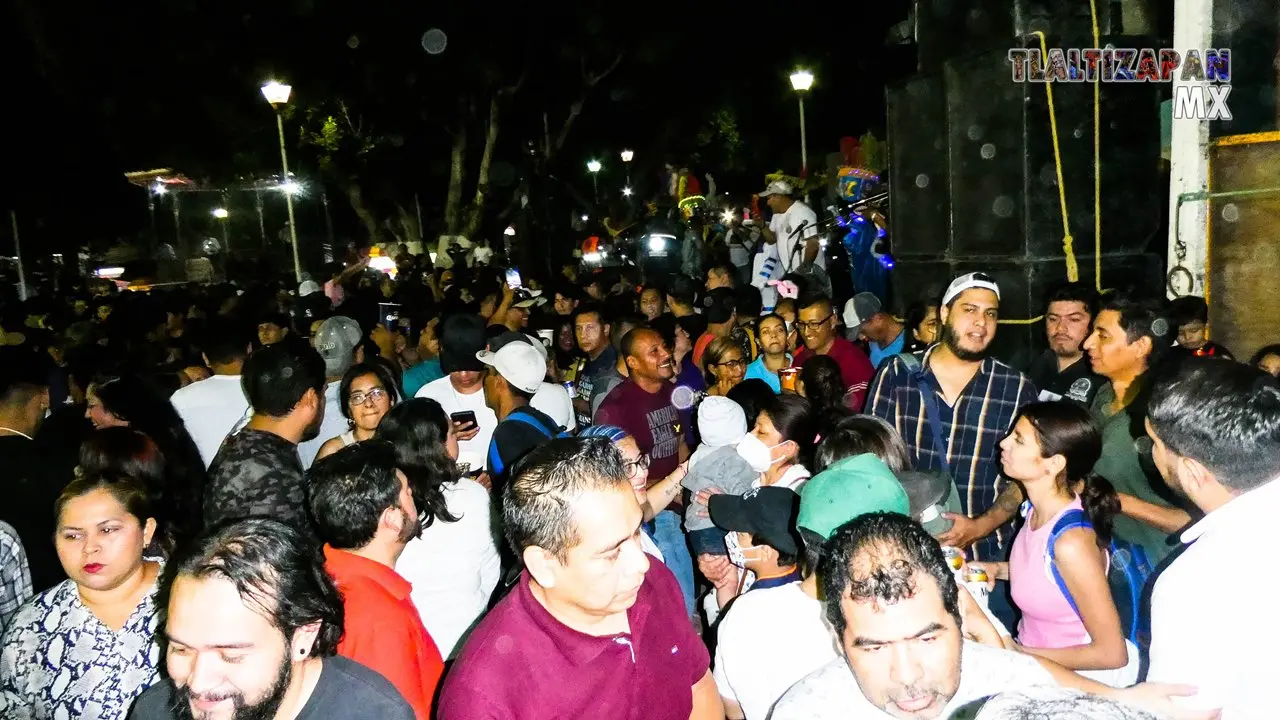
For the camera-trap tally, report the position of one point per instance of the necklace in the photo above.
(15, 432)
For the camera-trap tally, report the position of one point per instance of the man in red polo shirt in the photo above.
(364, 512)
(816, 321)
(592, 629)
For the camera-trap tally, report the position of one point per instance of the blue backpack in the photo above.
(496, 466)
(1127, 575)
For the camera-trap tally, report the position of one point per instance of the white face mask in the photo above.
(737, 553)
(758, 455)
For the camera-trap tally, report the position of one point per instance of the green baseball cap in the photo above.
(847, 489)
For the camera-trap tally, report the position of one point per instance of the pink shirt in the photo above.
(1047, 618)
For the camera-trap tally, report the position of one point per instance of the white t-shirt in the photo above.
(454, 567)
(210, 409)
(476, 450)
(1212, 609)
(554, 400)
(331, 427)
(768, 641)
(832, 693)
(783, 224)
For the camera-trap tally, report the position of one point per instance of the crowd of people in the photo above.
(609, 498)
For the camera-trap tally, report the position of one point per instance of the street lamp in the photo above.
(593, 167)
(278, 94)
(801, 81)
(220, 213)
(627, 156)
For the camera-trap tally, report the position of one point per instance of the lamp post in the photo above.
(801, 81)
(627, 157)
(593, 167)
(278, 94)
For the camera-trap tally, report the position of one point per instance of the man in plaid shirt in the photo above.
(15, 577)
(978, 398)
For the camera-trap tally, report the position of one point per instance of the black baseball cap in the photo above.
(718, 305)
(768, 513)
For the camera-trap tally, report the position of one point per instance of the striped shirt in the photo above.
(972, 429)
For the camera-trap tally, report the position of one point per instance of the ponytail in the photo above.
(1101, 505)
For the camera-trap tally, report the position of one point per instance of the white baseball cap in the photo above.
(519, 363)
(968, 282)
(778, 187)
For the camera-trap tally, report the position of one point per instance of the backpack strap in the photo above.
(496, 466)
(932, 411)
(1070, 520)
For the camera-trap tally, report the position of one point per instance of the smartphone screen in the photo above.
(513, 278)
(466, 417)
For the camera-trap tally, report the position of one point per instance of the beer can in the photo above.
(975, 575)
(955, 558)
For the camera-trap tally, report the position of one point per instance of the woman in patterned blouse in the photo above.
(86, 648)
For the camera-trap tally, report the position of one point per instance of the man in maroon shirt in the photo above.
(592, 629)
(816, 322)
(643, 406)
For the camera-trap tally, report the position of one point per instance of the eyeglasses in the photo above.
(356, 399)
(639, 465)
(733, 364)
(803, 326)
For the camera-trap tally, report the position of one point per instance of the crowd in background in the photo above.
(455, 494)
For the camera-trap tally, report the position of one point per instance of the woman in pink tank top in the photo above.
(1051, 451)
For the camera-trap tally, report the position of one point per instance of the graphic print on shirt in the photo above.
(662, 427)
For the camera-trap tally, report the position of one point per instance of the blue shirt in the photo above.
(758, 371)
(879, 354)
(419, 375)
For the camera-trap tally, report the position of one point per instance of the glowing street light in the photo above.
(278, 94)
(627, 157)
(290, 187)
(593, 167)
(801, 81)
(221, 213)
(626, 191)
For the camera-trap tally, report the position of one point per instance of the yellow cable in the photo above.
(1068, 242)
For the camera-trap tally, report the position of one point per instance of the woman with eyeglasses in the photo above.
(367, 391)
(637, 467)
(723, 365)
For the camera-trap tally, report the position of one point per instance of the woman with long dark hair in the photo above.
(367, 391)
(821, 384)
(134, 402)
(1051, 450)
(454, 565)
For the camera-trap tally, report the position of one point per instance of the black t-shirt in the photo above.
(29, 486)
(589, 371)
(515, 436)
(1078, 383)
(346, 690)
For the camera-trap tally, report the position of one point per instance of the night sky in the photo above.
(96, 89)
